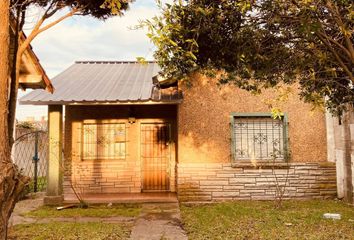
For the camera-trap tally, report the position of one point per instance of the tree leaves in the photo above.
(115, 6)
(101, 9)
(262, 43)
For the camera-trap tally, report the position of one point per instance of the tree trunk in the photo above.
(11, 181)
(15, 75)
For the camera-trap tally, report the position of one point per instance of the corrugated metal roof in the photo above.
(97, 82)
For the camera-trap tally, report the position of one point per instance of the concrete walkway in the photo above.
(29, 220)
(159, 221)
(25, 206)
(156, 221)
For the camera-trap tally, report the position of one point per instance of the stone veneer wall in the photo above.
(221, 181)
(109, 177)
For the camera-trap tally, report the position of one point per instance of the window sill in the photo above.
(265, 164)
(102, 159)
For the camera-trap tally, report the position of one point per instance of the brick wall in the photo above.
(218, 181)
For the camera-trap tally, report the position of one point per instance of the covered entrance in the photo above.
(120, 132)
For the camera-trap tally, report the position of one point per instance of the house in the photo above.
(127, 132)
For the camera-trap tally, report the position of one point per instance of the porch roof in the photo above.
(103, 82)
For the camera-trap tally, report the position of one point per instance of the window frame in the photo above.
(83, 158)
(284, 117)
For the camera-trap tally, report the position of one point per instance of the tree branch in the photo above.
(37, 30)
(71, 13)
(341, 63)
(346, 51)
(341, 25)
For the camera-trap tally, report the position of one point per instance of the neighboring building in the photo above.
(127, 132)
(32, 74)
(341, 150)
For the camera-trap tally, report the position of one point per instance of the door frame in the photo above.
(172, 145)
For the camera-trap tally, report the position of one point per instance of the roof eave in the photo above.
(98, 103)
(29, 55)
(45, 83)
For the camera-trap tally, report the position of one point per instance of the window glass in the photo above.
(104, 141)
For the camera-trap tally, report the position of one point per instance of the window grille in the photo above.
(259, 138)
(104, 141)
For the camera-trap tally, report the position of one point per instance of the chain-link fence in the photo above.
(30, 153)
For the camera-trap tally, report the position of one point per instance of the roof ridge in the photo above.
(111, 62)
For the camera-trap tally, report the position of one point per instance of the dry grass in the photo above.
(259, 220)
(124, 210)
(70, 231)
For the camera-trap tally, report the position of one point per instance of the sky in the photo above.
(85, 38)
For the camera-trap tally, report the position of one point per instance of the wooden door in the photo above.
(155, 155)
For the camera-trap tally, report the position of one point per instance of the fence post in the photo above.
(35, 160)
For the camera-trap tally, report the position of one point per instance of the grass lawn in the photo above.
(125, 210)
(259, 220)
(68, 231)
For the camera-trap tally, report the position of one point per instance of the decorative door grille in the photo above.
(155, 155)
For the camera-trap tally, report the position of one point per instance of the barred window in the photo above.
(259, 137)
(104, 141)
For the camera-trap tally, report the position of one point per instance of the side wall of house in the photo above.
(108, 175)
(206, 170)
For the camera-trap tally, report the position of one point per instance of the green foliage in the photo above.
(141, 60)
(41, 187)
(83, 204)
(116, 6)
(27, 125)
(259, 44)
(101, 9)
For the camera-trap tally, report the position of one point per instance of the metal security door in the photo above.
(155, 155)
